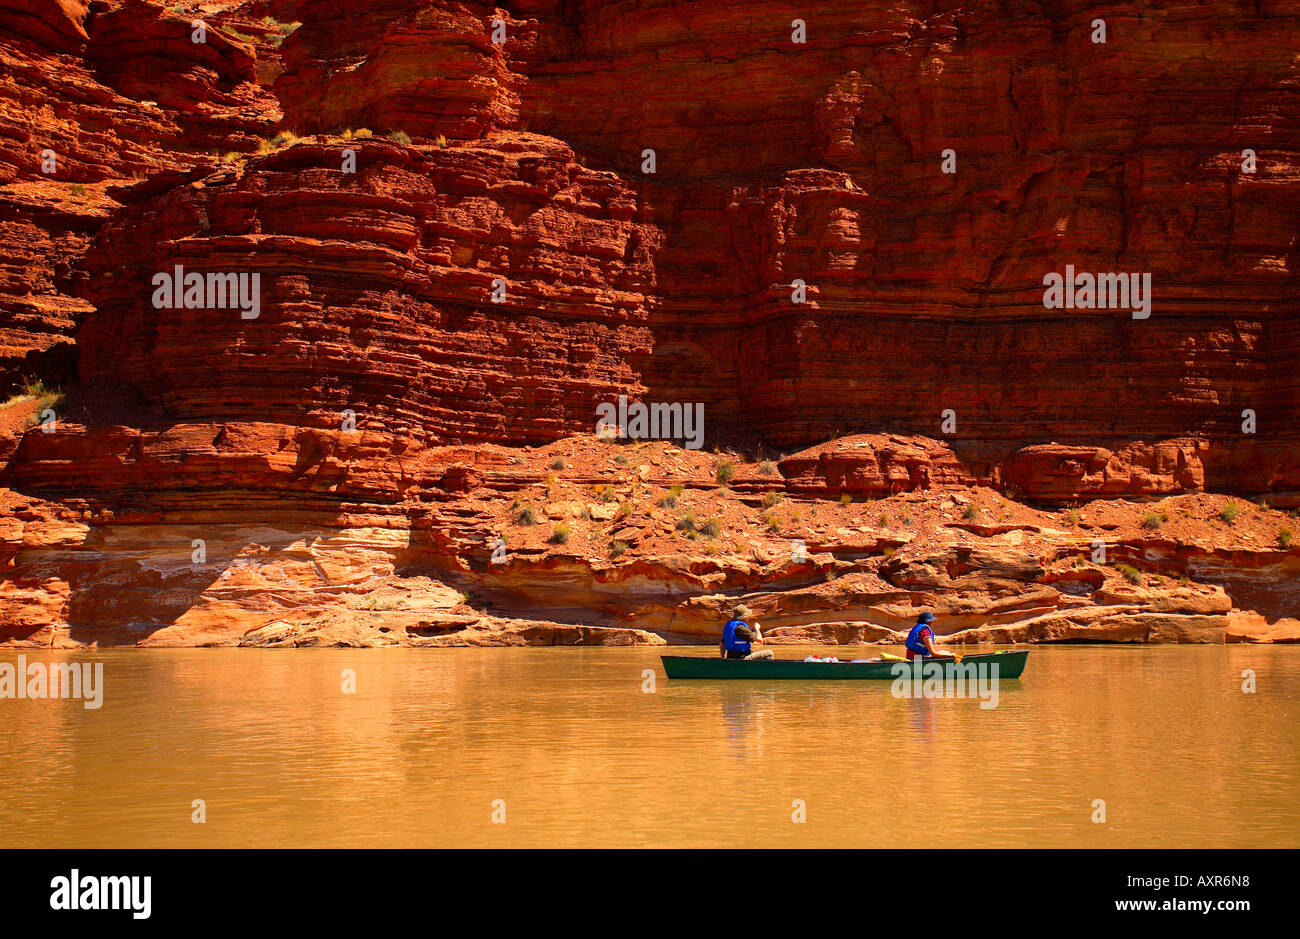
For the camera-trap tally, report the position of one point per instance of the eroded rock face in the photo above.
(376, 291)
(353, 455)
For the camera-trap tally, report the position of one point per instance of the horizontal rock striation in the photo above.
(376, 292)
(462, 249)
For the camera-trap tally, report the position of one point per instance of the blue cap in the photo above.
(925, 617)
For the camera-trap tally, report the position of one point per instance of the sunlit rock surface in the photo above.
(461, 253)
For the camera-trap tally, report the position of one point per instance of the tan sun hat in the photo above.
(740, 611)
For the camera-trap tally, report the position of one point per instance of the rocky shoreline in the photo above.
(590, 542)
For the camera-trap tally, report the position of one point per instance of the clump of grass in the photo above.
(846, 499)
(400, 137)
(525, 515)
(772, 498)
(604, 493)
(559, 534)
(45, 398)
(884, 521)
(1229, 512)
(773, 523)
(1131, 573)
(725, 471)
(686, 523)
(620, 459)
(1284, 539)
(766, 468)
(285, 138)
(441, 142)
(831, 575)
(669, 501)
(78, 190)
(557, 463)
(1073, 517)
(282, 29)
(970, 512)
(711, 528)
(616, 548)
(624, 510)
(907, 518)
(363, 133)
(1151, 521)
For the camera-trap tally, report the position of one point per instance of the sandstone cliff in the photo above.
(461, 253)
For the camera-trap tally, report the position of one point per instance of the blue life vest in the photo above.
(729, 640)
(914, 642)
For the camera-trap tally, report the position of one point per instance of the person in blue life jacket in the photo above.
(920, 641)
(737, 637)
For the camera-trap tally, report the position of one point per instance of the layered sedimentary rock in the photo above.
(876, 465)
(377, 291)
(93, 92)
(253, 537)
(470, 226)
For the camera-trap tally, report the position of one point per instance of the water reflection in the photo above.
(579, 754)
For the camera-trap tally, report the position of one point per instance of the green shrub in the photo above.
(557, 463)
(525, 515)
(686, 523)
(711, 528)
(559, 534)
(1151, 520)
(772, 498)
(1229, 513)
(766, 468)
(616, 548)
(1131, 573)
(970, 512)
(400, 137)
(1284, 538)
(846, 499)
(725, 471)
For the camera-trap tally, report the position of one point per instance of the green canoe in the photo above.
(1009, 665)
